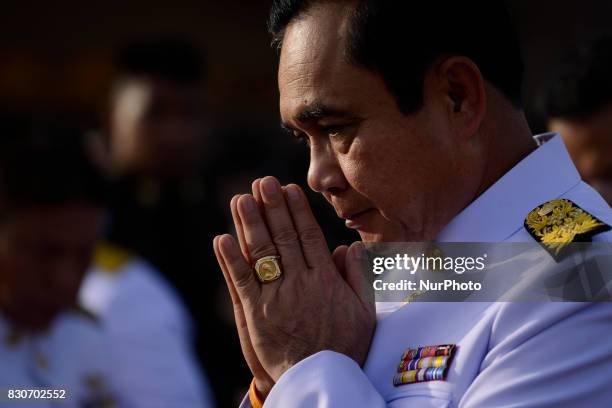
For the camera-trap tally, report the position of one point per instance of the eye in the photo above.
(333, 131)
(341, 136)
(301, 137)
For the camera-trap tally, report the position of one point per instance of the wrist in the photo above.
(257, 394)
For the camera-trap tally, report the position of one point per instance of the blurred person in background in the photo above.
(52, 205)
(156, 114)
(577, 103)
(162, 210)
(149, 328)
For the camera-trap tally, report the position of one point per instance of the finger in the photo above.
(228, 279)
(339, 258)
(241, 323)
(241, 274)
(238, 222)
(258, 237)
(256, 234)
(280, 225)
(356, 278)
(256, 187)
(312, 239)
(239, 228)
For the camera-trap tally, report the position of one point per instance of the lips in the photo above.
(355, 220)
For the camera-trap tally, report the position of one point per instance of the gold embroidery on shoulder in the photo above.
(557, 223)
(110, 257)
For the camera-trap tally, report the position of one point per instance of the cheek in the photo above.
(370, 176)
(370, 164)
(382, 172)
(403, 189)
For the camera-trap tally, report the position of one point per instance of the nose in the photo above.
(324, 173)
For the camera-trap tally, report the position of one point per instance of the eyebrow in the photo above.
(314, 112)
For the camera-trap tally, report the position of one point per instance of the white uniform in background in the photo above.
(72, 355)
(507, 354)
(150, 330)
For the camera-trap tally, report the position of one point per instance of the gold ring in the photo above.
(268, 268)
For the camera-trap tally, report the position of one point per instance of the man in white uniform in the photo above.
(576, 101)
(150, 329)
(69, 360)
(412, 115)
(51, 212)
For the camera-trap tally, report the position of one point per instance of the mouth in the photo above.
(356, 220)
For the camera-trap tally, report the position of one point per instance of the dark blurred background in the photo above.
(60, 53)
(59, 57)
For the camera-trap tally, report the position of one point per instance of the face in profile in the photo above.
(589, 143)
(44, 253)
(391, 176)
(156, 128)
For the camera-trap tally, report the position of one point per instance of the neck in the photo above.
(506, 146)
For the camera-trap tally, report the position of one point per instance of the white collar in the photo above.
(545, 174)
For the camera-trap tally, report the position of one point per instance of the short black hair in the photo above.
(47, 163)
(401, 40)
(582, 83)
(173, 59)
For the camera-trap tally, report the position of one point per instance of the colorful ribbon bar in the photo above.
(429, 351)
(428, 363)
(418, 363)
(415, 376)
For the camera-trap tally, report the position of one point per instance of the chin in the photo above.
(381, 236)
(371, 236)
(387, 231)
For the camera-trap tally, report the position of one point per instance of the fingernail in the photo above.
(270, 186)
(358, 252)
(293, 192)
(248, 203)
(226, 242)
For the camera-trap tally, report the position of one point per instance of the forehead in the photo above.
(134, 95)
(313, 67)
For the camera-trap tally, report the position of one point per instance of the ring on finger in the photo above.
(268, 268)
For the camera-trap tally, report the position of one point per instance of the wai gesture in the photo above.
(319, 302)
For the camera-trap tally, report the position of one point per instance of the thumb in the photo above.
(356, 266)
(339, 258)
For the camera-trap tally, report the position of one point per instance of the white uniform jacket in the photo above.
(149, 330)
(508, 354)
(71, 357)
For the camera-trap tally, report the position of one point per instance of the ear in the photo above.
(464, 94)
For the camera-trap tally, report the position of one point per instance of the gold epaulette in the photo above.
(110, 258)
(557, 223)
